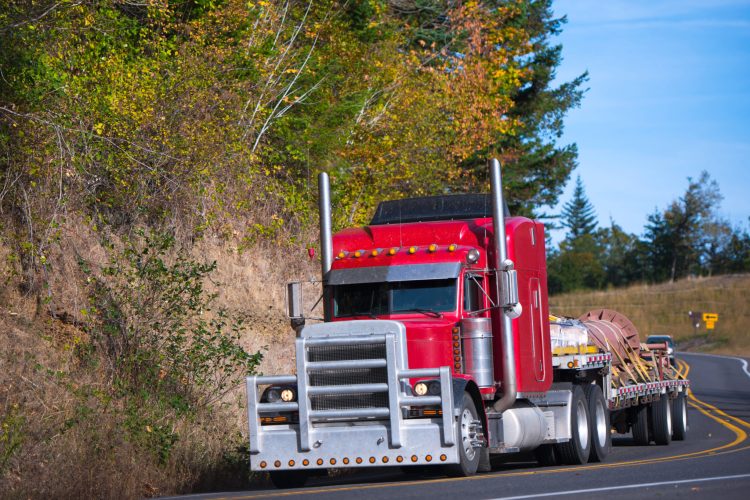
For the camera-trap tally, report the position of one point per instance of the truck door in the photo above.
(535, 301)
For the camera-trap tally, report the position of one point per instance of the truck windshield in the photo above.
(371, 299)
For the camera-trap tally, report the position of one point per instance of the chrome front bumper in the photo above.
(356, 437)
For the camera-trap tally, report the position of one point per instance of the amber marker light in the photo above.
(277, 463)
(346, 461)
(443, 458)
(399, 459)
(393, 251)
(263, 465)
(372, 460)
(305, 462)
(413, 458)
(385, 460)
(291, 463)
(375, 253)
(432, 247)
(320, 461)
(358, 253)
(451, 248)
(333, 461)
(341, 255)
(570, 364)
(359, 460)
(428, 458)
(412, 250)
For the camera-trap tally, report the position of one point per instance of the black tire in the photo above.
(679, 417)
(661, 420)
(599, 424)
(546, 455)
(469, 455)
(284, 479)
(639, 425)
(576, 450)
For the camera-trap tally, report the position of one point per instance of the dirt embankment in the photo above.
(61, 423)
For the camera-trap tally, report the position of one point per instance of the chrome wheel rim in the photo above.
(583, 425)
(669, 418)
(468, 434)
(600, 422)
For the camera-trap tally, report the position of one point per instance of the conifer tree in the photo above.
(578, 214)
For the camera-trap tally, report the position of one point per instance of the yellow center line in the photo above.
(740, 436)
(686, 367)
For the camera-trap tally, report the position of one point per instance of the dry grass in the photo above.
(664, 309)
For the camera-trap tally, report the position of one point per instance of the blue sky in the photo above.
(669, 96)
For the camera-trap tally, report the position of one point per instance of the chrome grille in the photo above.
(348, 376)
(342, 352)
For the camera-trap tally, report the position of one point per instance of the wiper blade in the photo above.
(426, 312)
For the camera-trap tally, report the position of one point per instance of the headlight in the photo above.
(273, 394)
(288, 394)
(428, 387)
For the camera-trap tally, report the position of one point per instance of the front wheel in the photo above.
(601, 437)
(576, 451)
(469, 446)
(679, 417)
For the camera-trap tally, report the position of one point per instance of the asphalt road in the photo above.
(714, 460)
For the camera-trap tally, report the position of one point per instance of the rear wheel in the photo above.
(679, 417)
(601, 438)
(639, 425)
(283, 479)
(576, 450)
(661, 420)
(469, 447)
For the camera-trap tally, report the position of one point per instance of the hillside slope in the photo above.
(664, 309)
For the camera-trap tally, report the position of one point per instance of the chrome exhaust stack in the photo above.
(326, 239)
(326, 236)
(507, 288)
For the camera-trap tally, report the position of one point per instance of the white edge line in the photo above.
(623, 487)
(742, 361)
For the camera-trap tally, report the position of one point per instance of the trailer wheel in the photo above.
(601, 437)
(639, 425)
(468, 426)
(679, 417)
(661, 420)
(576, 451)
(283, 479)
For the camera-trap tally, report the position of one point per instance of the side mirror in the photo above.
(294, 301)
(294, 305)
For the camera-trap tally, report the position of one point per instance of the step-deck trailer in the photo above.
(437, 349)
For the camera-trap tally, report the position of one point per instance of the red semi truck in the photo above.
(437, 349)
